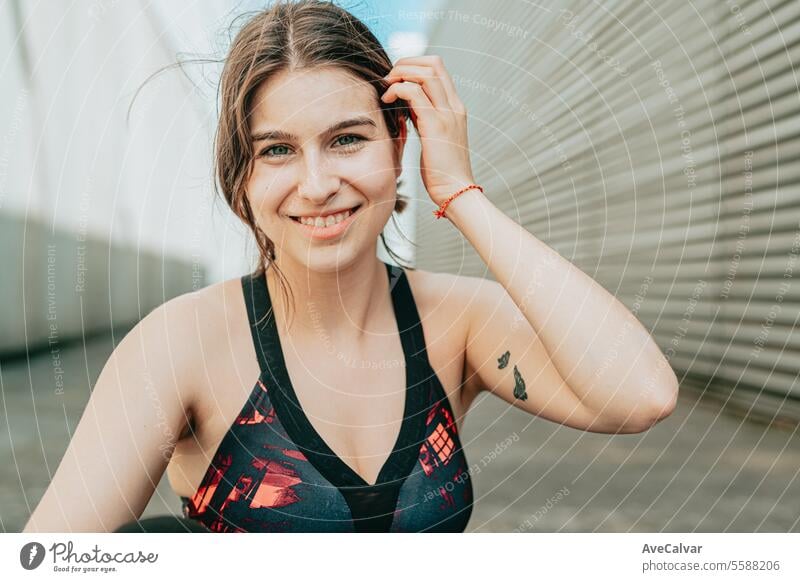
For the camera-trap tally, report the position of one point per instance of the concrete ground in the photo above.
(699, 470)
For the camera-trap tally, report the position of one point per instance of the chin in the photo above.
(329, 259)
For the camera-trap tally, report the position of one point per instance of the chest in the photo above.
(424, 486)
(354, 398)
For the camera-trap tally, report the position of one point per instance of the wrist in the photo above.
(457, 192)
(471, 201)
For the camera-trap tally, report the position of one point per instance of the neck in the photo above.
(338, 304)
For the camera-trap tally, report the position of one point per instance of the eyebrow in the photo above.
(278, 134)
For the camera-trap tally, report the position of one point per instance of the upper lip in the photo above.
(324, 214)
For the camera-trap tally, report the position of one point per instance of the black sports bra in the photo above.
(272, 472)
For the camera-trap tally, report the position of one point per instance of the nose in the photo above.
(318, 182)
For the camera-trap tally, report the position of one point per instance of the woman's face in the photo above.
(321, 146)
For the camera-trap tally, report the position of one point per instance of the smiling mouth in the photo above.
(311, 221)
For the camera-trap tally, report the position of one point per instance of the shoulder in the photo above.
(188, 317)
(450, 306)
(207, 310)
(454, 302)
(184, 333)
(468, 293)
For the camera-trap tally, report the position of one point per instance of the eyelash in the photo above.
(347, 147)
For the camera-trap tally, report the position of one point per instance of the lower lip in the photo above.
(327, 232)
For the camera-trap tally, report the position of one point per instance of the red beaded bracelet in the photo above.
(440, 212)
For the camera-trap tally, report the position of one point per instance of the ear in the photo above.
(399, 146)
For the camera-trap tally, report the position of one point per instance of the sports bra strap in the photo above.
(259, 308)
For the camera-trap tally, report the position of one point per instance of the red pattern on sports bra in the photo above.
(259, 480)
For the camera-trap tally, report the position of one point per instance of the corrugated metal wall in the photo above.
(59, 286)
(656, 146)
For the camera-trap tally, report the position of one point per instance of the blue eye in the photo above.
(346, 142)
(357, 138)
(266, 150)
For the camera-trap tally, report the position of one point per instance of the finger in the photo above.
(437, 62)
(425, 76)
(413, 94)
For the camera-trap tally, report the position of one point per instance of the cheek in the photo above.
(266, 188)
(371, 172)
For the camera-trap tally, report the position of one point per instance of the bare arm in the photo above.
(576, 355)
(127, 433)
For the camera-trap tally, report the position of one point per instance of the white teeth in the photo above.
(327, 221)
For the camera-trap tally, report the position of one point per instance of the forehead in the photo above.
(306, 101)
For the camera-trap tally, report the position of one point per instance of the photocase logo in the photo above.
(31, 555)
(65, 558)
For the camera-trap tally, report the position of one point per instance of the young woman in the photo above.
(339, 408)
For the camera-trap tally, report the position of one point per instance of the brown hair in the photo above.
(290, 35)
